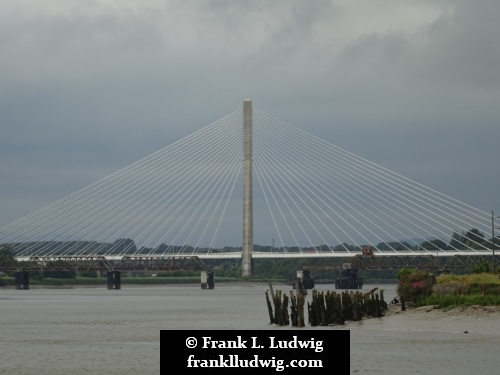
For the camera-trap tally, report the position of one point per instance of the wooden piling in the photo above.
(326, 308)
(277, 308)
(294, 315)
(300, 306)
(285, 319)
(322, 309)
(356, 307)
(382, 300)
(378, 306)
(347, 305)
(339, 316)
(269, 308)
(312, 309)
(330, 307)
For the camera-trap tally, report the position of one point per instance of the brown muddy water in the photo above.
(100, 331)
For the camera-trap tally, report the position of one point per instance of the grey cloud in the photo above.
(97, 88)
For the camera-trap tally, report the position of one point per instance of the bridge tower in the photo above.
(247, 249)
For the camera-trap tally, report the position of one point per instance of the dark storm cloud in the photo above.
(87, 88)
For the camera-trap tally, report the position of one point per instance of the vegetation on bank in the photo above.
(447, 290)
(274, 270)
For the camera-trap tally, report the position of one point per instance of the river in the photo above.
(100, 331)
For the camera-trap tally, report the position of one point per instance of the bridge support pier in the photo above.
(22, 280)
(114, 280)
(246, 256)
(207, 280)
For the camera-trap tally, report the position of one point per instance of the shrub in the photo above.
(88, 274)
(414, 285)
(481, 267)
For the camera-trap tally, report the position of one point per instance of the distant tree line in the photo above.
(473, 238)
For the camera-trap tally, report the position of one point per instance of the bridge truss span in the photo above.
(103, 263)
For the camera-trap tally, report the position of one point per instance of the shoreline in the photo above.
(469, 310)
(474, 319)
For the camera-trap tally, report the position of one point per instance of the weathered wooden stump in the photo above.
(326, 308)
(285, 320)
(347, 305)
(357, 313)
(269, 308)
(322, 309)
(294, 315)
(382, 300)
(378, 307)
(300, 306)
(277, 308)
(330, 307)
(339, 316)
(312, 309)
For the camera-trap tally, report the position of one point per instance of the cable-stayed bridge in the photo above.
(302, 197)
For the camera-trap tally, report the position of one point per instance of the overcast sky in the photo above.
(88, 87)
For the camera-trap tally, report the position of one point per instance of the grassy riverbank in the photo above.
(452, 291)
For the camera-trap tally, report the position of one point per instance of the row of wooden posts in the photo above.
(326, 308)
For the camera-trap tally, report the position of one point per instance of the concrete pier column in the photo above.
(207, 280)
(26, 280)
(18, 280)
(110, 280)
(114, 279)
(246, 256)
(22, 280)
(118, 280)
